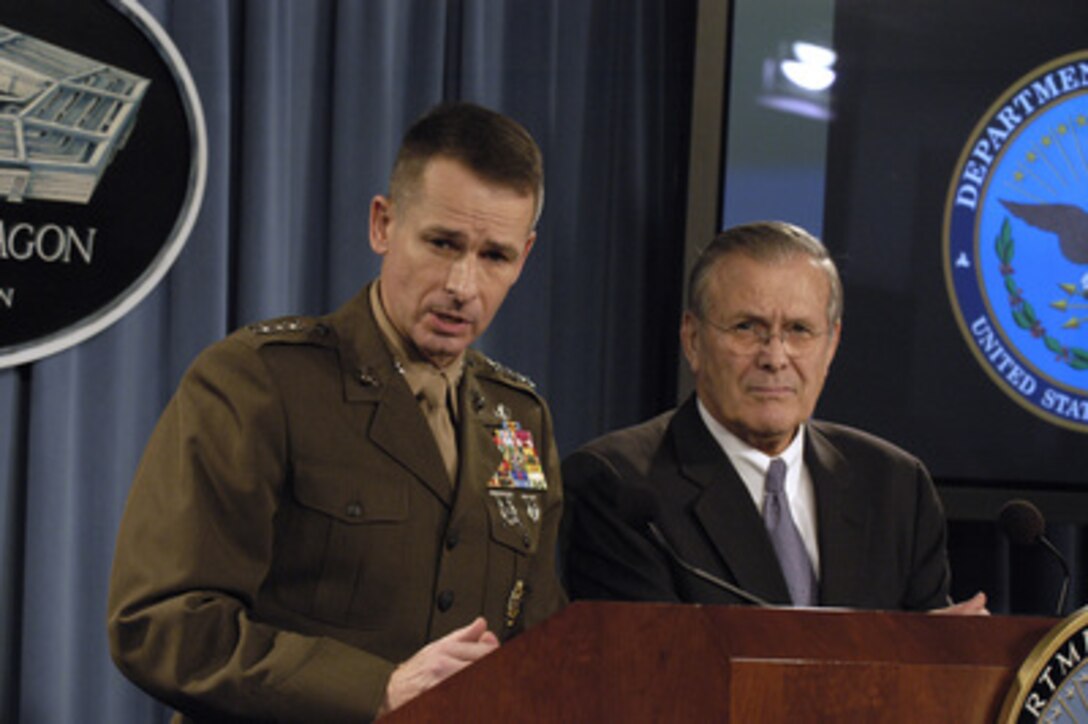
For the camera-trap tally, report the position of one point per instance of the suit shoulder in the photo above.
(242, 351)
(629, 446)
(288, 330)
(488, 369)
(850, 439)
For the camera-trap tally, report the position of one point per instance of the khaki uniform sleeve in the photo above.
(195, 545)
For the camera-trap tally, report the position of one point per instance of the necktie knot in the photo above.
(434, 397)
(434, 392)
(776, 477)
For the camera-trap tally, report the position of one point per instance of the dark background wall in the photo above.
(914, 80)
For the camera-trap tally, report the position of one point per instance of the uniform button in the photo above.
(445, 600)
(526, 541)
(354, 509)
(452, 540)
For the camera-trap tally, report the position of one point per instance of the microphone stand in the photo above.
(1065, 571)
(704, 575)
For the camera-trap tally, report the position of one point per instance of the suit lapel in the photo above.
(397, 425)
(399, 429)
(480, 455)
(841, 519)
(724, 509)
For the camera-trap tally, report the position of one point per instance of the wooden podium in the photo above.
(639, 662)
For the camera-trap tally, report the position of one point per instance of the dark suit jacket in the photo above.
(880, 526)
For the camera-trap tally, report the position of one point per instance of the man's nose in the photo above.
(461, 280)
(772, 351)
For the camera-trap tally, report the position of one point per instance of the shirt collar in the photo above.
(751, 466)
(750, 462)
(416, 368)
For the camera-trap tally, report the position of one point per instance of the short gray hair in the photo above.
(764, 241)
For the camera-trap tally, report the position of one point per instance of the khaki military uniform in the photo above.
(292, 533)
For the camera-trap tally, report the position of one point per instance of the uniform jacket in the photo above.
(292, 534)
(880, 526)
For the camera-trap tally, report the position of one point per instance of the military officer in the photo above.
(334, 514)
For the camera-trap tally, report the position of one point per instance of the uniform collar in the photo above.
(416, 369)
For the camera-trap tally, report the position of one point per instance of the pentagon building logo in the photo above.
(1016, 242)
(103, 159)
(62, 118)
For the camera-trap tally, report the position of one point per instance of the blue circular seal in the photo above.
(1016, 241)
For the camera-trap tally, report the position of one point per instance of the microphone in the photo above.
(1023, 523)
(641, 508)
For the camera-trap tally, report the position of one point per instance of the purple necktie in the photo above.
(792, 556)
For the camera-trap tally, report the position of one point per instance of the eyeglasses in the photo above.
(747, 337)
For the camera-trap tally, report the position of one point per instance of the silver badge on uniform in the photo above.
(507, 509)
(532, 506)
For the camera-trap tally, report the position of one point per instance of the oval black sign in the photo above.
(102, 168)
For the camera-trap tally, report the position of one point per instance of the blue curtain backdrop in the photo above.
(306, 101)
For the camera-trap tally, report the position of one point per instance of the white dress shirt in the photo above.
(751, 465)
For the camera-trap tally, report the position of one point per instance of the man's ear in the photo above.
(529, 244)
(833, 343)
(381, 218)
(689, 340)
(525, 254)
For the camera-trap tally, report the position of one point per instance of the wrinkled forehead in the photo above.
(410, 174)
(454, 202)
(792, 286)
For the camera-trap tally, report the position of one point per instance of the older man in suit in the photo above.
(739, 481)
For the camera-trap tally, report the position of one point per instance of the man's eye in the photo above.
(496, 256)
(800, 331)
(750, 329)
(441, 243)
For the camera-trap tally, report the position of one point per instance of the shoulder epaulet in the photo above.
(290, 330)
(501, 371)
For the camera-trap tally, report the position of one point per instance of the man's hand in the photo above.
(438, 660)
(973, 606)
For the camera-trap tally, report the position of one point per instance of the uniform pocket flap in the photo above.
(515, 518)
(337, 492)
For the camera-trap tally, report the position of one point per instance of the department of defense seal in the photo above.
(1015, 241)
(1052, 683)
